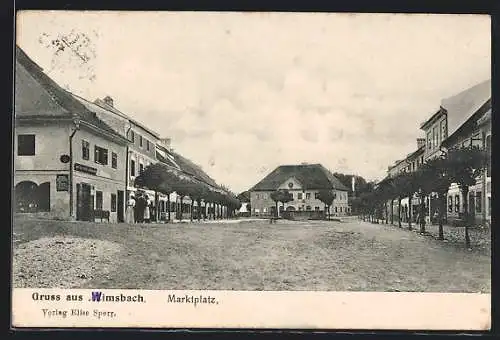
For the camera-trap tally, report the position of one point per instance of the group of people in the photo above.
(139, 209)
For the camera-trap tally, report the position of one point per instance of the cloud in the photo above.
(348, 91)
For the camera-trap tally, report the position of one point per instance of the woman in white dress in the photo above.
(147, 213)
(129, 212)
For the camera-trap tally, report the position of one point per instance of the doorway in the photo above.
(84, 202)
(119, 208)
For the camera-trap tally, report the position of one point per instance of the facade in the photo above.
(476, 131)
(461, 120)
(141, 149)
(304, 182)
(410, 163)
(68, 163)
(79, 159)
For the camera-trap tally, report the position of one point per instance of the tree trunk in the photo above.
(191, 210)
(410, 216)
(392, 211)
(422, 214)
(386, 212)
(198, 209)
(181, 208)
(465, 193)
(442, 205)
(399, 212)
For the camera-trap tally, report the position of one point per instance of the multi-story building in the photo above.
(452, 116)
(142, 140)
(462, 119)
(304, 182)
(475, 131)
(68, 163)
(410, 163)
(103, 181)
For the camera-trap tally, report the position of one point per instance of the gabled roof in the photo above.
(102, 104)
(312, 177)
(463, 105)
(37, 95)
(192, 169)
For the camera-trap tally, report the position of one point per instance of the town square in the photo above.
(283, 160)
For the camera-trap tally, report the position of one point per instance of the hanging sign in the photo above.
(62, 182)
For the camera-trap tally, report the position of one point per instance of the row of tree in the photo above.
(462, 166)
(220, 202)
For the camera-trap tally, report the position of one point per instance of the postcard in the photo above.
(255, 170)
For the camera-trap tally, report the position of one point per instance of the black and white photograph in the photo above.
(226, 151)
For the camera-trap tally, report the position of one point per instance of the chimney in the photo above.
(108, 100)
(167, 143)
(420, 142)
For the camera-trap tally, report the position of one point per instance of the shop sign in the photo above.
(62, 182)
(85, 168)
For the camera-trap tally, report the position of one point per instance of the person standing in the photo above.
(140, 205)
(147, 211)
(129, 212)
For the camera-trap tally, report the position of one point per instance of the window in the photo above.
(114, 160)
(477, 141)
(443, 130)
(334, 195)
(435, 136)
(147, 145)
(335, 209)
(308, 208)
(479, 201)
(457, 203)
(316, 195)
(413, 166)
(100, 155)
(429, 141)
(98, 200)
(308, 195)
(299, 196)
(450, 204)
(291, 195)
(132, 136)
(113, 202)
(140, 141)
(26, 145)
(316, 208)
(488, 150)
(340, 209)
(141, 168)
(85, 150)
(132, 167)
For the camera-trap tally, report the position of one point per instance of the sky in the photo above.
(242, 93)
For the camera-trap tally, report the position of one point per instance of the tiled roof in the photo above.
(311, 176)
(38, 95)
(463, 105)
(102, 104)
(194, 170)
